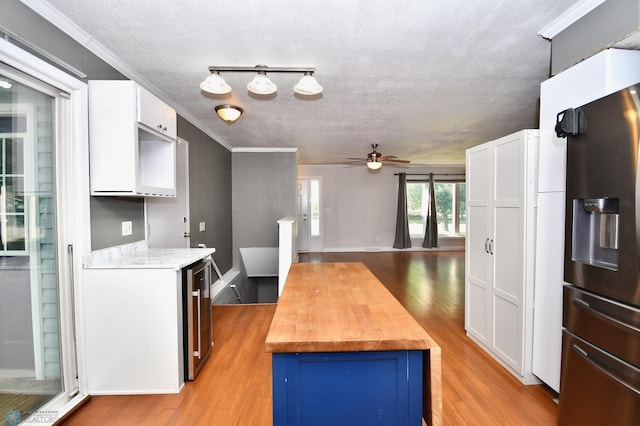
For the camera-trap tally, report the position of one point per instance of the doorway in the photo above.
(168, 223)
(309, 218)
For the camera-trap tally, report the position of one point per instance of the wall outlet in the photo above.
(202, 227)
(127, 228)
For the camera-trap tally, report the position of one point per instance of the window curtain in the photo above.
(431, 233)
(403, 240)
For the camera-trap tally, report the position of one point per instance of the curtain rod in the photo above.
(435, 174)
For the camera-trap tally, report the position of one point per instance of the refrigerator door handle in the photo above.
(584, 354)
(585, 305)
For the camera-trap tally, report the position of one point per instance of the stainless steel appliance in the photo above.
(600, 378)
(197, 321)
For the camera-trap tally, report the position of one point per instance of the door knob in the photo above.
(187, 234)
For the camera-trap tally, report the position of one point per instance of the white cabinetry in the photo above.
(501, 183)
(133, 319)
(132, 141)
(598, 76)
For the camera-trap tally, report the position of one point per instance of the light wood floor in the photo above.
(234, 387)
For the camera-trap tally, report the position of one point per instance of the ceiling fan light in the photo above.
(215, 84)
(307, 85)
(374, 165)
(228, 113)
(261, 85)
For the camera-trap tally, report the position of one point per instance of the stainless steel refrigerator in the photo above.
(600, 376)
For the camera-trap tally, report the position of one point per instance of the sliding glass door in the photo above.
(44, 230)
(30, 360)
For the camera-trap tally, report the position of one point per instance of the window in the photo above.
(314, 204)
(13, 129)
(450, 208)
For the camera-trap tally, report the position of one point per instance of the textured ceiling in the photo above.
(424, 79)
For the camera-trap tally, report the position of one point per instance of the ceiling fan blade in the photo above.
(359, 158)
(395, 161)
(388, 157)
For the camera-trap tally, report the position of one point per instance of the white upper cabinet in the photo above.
(155, 114)
(132, 136)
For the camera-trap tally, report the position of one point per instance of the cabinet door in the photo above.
(155, 114)
(507, 250)
(478, 242)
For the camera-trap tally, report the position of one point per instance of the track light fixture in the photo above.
(261, 84)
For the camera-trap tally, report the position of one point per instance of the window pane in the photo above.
(14, 156)
(416, 207)
(462, 211)
(444, 208)
(314, 201)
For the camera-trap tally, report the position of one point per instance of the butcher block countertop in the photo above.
(341, 307)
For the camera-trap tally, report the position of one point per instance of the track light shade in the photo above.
(261, 85)
(228, 113)
(307, 85)
(215, 84)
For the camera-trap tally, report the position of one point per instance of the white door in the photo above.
(168, 218)
(508, 231)
(479, 243)
(303, 215)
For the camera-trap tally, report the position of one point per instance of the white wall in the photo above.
(358, 207)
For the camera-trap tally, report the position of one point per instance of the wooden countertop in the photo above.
(341, 307)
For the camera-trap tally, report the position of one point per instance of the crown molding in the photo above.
(258, 149)
(569, 17)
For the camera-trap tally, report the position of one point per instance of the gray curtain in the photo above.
(403, 240)
(431, 233)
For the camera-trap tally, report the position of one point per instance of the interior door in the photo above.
(508, 229)
(168, 218)
(303, 215)
(478, 243)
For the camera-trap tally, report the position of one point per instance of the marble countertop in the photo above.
(139, 256)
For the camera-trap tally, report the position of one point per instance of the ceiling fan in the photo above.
(375, 159)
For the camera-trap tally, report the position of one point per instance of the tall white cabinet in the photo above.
(501, 189)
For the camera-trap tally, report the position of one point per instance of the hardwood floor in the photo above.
(234, 387)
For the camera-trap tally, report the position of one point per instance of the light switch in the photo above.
(127, 228)
(202, 227)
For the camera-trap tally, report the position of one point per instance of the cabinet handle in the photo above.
(486, 246)
(196, 294)
(491, 247)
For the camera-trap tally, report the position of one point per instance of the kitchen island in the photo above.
(345, 351)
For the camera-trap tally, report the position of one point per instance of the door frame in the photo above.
(315, 242)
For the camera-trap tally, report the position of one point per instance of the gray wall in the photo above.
(209, 193)
(358, 207)
(107, 215)
(598, 29)
(264, 190)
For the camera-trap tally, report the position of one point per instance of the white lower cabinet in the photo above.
(501, 189)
